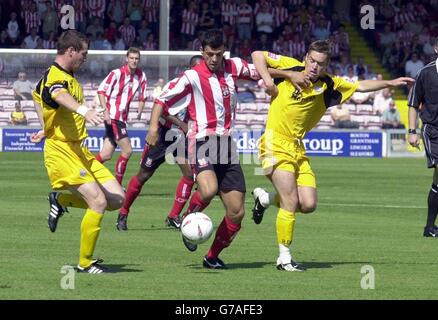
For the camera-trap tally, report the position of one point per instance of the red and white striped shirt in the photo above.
(96, 8)
(128, 34)
(81, 9)
(49, 44)
(190, 21)
(151, 9)
(297, 49)
(31, 19)
(229, 13)
(244, 14)
(401, 18)
(182, 104)
(119, 88)
(280, 14)
(212, 96)
(318, 3)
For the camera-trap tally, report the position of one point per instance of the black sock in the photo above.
(432, 205)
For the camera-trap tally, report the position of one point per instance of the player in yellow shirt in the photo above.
(299, 100)
(70, 165)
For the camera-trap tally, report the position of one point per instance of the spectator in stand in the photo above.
(150, 43)
(245, 20)
(94, 28)
(127, 31)
(342, 118)
(49, 41)
(151, 12)
(382, 100)
(413, 65)
(405, 35)
(119, 44)
(30, 42)
(297, 47)
(264, 21)
(116, 11)
(246, 95)
(135, 13)
(96, 8)
(343, 39)
(17, 117)
(110, 32)
(335, 22)
(415, 45)
(369, 74)
(281, 15)
(263, 44)
(429, 50)
(13, 28)
(391, 117)
(350, 76)
(5, 42)
(403, 17)
(143, 32)
(22, 87)
(197, 42)
(229, 12)
(245, 50)
(31, 17)
(50, 20)
(387, 37)
(190, 21)
(361, 97)
(360, 68)
(206, 18)
(81, 14)
(321, 32)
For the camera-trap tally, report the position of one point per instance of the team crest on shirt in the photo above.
(318, 89)
(82, 173)
(225, 91)
(148, 162)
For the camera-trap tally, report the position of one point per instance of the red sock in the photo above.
(196, 204)
(99, 158)
(224, 236)
(183, 191)
(121, 168)
(134, 189)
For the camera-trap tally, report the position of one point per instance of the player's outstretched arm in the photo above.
(181, 124)
(259, 61)
(92, 116)
(373, 85)
(140, 109)
(152, 137)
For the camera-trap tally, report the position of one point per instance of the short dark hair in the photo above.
(71, 38)
(322, 46)
(133, 50)
(194, 60)
(214, 38)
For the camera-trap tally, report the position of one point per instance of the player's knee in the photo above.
(98, 203)
(115, 201)
(307, 207)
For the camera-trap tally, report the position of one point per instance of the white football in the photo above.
(197, 227)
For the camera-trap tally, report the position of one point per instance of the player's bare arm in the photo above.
(261, 65)
(181, 124)
(300, 80)
(152, 137)
(106, 116)
(37, 137)
(92, 116)
(140, 109)
(373, 85)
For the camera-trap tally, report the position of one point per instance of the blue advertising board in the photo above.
(317, 143)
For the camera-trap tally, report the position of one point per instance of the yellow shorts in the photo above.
(280, 152)
(71, 164)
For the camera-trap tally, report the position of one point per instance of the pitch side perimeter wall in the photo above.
(318, 143)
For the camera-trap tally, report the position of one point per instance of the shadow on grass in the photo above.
(120, 268)
(167, 195)
(153, 228)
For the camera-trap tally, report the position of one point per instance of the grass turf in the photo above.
(370, 212)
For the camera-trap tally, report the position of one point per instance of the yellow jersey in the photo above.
(293, 113)
(59, 122)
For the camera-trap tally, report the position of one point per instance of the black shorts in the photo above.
(115, 131)
(430, 140)
(220, 155)
(170, 141)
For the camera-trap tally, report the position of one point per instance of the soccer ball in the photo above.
(197, 227)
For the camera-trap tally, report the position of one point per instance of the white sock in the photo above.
(285, 256)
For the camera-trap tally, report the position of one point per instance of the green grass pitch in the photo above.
(370, 212)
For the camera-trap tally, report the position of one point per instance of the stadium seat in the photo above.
(366, 109)
(241, 119)
(351, 107)
(360, 119)
(263, 107)
(4, 116)
(248, 107)
(139, 125)
(373, 122)
(326, 122)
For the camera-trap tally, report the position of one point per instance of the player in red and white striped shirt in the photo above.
(152, 159)
(116, 92)
(211, 89)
